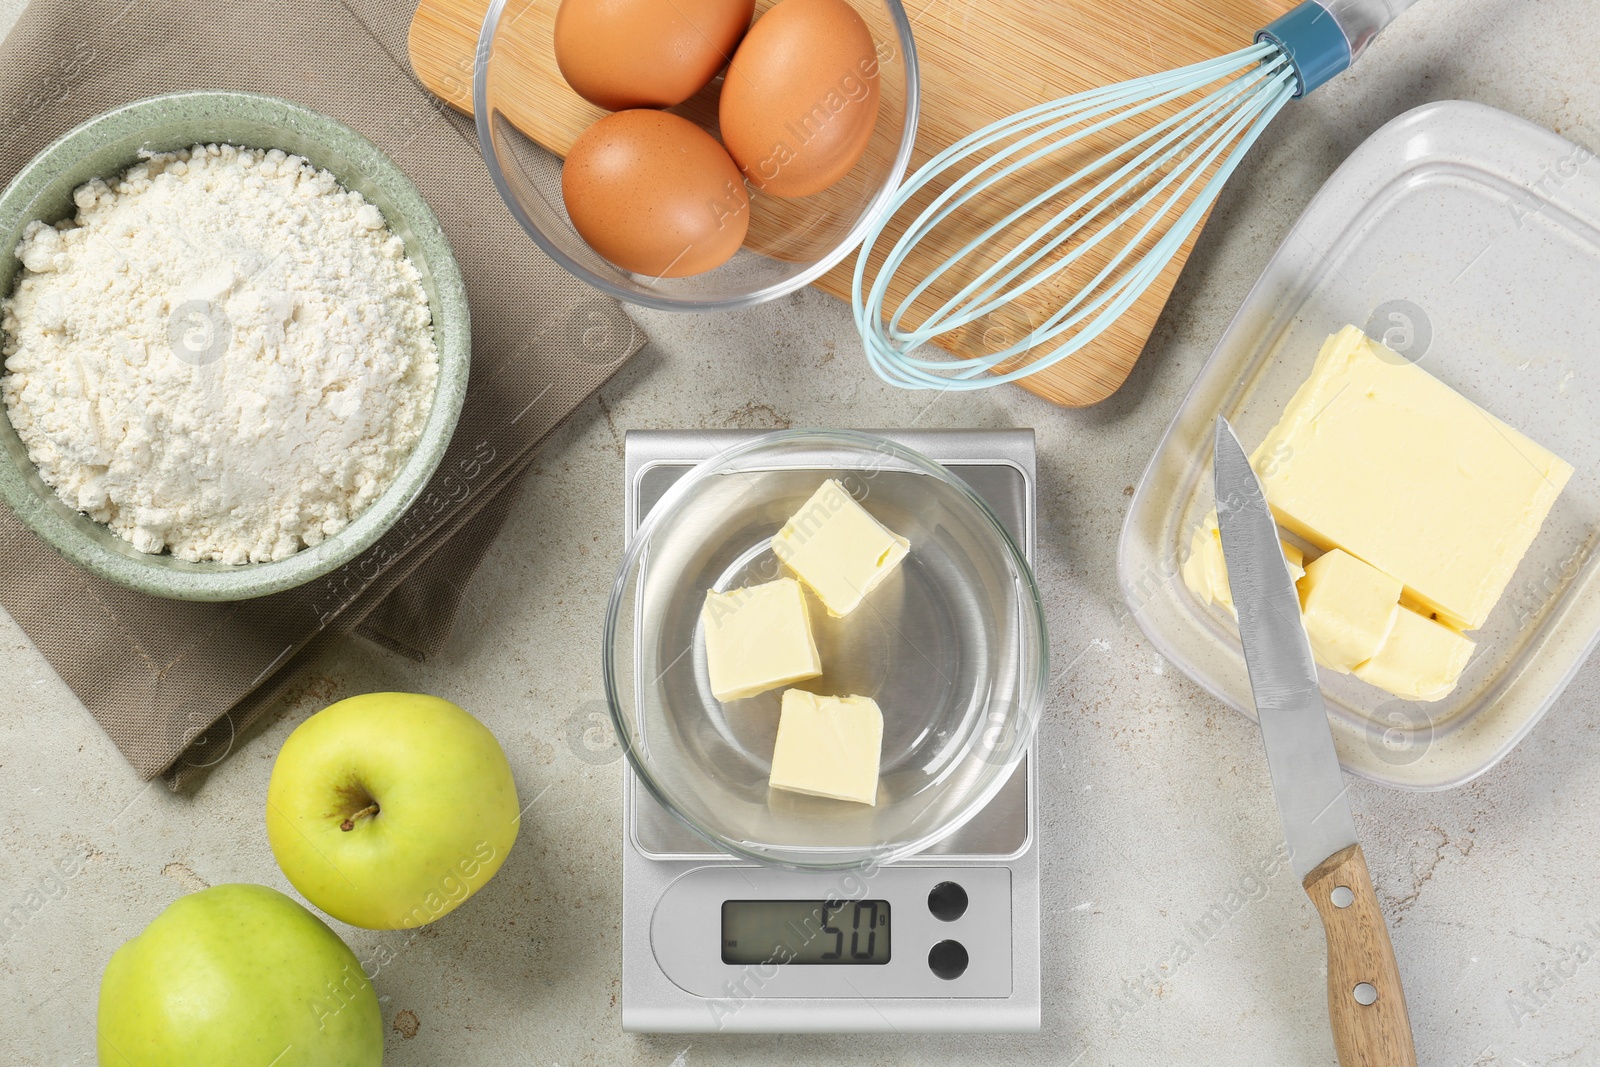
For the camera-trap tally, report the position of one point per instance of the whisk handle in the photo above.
(1323, 37)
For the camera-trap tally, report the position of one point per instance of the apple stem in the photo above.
(350, 820)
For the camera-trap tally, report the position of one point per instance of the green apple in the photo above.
(388, 810)
(237, 974)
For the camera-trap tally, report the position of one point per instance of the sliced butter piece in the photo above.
(1422, 660)
(828, 746)
(1376, 456)
(758, 638)
(1206, 573)
(838, 549)
(1348, 607)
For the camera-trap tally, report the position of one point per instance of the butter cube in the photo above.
(1422, 660)
(828, 747)
(758, 638)
(1376, 456)
(1348, 608)
(1206, 573)
(838, 549)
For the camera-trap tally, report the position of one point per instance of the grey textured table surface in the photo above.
(1156, 806)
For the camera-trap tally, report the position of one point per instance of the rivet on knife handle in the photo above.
(1366, 1003)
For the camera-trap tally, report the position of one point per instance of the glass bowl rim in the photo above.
(877, 208)
(1030, 708)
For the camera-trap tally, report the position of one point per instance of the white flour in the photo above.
(226, 354)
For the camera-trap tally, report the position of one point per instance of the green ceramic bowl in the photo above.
(111, 143)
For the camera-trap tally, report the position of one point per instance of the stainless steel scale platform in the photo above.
(964, 951)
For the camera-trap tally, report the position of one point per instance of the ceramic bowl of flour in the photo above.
(243, 567)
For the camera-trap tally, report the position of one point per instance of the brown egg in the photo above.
(655, 194)
(800, 99)
(646, 53)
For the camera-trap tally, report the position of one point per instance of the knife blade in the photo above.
(1366, 1003)
(1310, 787)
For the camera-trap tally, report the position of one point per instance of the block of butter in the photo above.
(1348, 607)
(1376, 456)
(1421, 660)
(758, 638)
(828, 746)
(1206, 573)
(838, 549)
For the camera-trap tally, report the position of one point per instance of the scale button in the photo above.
(948, 959)
(947, 901)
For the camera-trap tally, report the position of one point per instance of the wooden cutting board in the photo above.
(980, 60)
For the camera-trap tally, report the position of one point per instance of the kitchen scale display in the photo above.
(805, 931)
(944, 941)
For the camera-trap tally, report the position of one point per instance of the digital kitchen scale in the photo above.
(946, 941)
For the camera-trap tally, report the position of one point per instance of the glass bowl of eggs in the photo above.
(696, 155)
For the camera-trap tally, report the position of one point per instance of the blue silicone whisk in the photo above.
(1114, 221)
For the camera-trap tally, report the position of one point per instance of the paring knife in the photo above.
(1366, 1005)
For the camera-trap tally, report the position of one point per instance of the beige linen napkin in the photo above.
(175, 684)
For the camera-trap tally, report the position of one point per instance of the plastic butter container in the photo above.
(1467, 240)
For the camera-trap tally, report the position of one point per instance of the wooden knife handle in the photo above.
(1360, 966)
